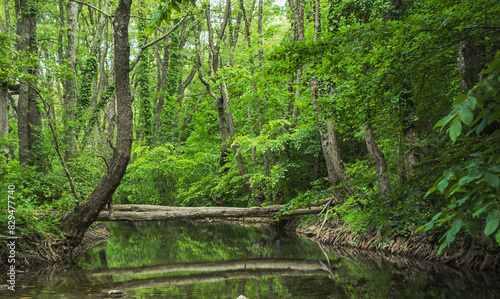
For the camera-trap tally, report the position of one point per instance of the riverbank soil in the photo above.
(33, 251)
(476, 253)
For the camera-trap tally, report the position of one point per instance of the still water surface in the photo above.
(188, 260)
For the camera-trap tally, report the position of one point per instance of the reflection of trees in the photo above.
(183, 248)
(212, 277)
(266, 264)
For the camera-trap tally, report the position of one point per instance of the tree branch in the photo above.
(145, 46)
(92, 6)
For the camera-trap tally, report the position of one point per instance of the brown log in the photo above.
(163, 213)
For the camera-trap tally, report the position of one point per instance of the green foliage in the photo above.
(5, 53)
(165, 10)
(143, 88)
(472, 188)
(151, 179)
(103, 101)
(170, 105)
(84, 100)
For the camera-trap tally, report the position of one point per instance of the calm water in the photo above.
(186, 260)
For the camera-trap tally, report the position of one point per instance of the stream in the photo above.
(220, 260)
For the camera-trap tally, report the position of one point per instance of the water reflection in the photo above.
(187, 260)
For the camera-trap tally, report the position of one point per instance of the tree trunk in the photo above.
(29, 118)
(69, 95)
(227, 130)
(469, 63)
(7, 16)
(164, 213)
(410, 135)
(77, 222)
(185, 123)
(4, 110)
(378, 159)
(232, 132)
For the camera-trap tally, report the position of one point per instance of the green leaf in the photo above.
(459, 99)
(438, 124)
(443, 246)
(465, 180)
(466, 115)
(455, 130)
(472, 226)
(482, 209)
(445, 120)
(430, 191)
(442, 185)
(456, 226)
(496, 115)
(492, 222)
(471, 102)
(419, 229)
(492, 179)
(497, 237)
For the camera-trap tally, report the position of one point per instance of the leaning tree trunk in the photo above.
(76, 223)
(378, 159)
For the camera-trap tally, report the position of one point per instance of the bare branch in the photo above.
(92, 6)
(145, 46)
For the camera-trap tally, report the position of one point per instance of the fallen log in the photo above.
(164, 213)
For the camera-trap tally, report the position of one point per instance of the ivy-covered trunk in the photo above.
(76, 223)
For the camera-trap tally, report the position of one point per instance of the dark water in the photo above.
(186, 260)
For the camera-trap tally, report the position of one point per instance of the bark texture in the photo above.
(163, 213)
(69, 96)
(378, 159)
(29, 118)
(4, 113)
(469, 63)
(76, 223)
(4, 109)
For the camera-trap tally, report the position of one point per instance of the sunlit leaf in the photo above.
(455, 130)
(492, 179)
(492, 222)
(466, 115)
(460, 99)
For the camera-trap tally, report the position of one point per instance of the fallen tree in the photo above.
(163, 213)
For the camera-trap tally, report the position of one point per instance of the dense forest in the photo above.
(387, 109)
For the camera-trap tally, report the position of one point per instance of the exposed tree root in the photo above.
(479, 253)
